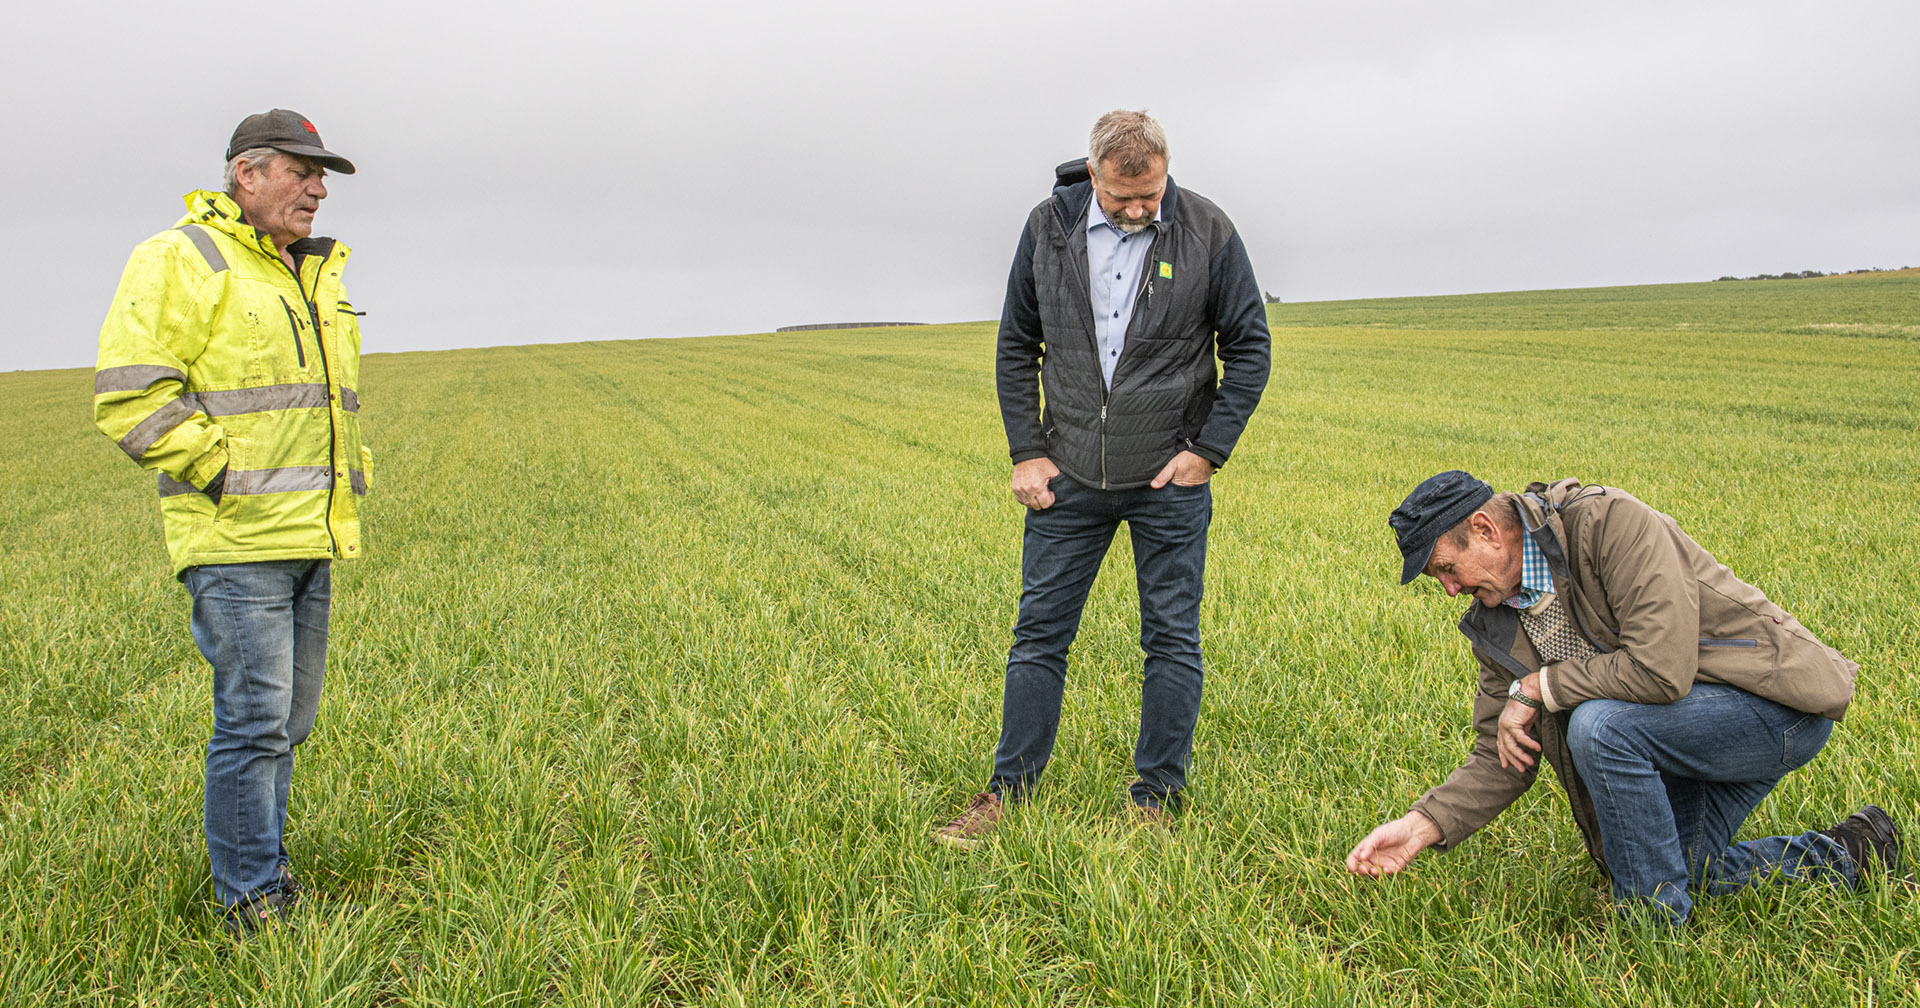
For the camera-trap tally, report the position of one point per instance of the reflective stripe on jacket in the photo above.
(215, 357)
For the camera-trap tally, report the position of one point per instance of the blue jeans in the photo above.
(263, 628)
(1673, 782)
(1063, 548)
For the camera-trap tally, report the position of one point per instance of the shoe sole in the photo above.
(958, 842)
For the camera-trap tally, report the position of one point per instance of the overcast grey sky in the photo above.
(540, 172)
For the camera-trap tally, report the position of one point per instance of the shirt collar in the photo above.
(1536, 580)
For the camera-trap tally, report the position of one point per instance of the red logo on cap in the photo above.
(309, 127)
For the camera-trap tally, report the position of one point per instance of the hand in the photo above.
(1186, 469)
(1516, 723)
(1030, 479)
(216, 487)
(1392, 845)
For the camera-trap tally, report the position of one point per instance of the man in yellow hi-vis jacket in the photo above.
(229, 365)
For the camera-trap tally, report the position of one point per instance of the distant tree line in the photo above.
(844, 325)
(1805, 274)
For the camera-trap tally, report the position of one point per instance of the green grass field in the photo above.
(667, 655)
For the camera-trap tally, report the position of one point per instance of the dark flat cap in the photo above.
(1435, 506)
(285, 130)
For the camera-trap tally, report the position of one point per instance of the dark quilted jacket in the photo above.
(1201, 300)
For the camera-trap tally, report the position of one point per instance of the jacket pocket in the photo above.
(236, 453)
(346, 330)
(1199, 406)
(293, 323)
(1729, 642)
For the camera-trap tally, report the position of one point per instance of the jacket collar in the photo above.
(218, 211)
(1497, 630)
(1540, 507)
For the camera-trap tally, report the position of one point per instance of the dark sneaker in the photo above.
(270, 910)
(1871, 839)
(971, 827)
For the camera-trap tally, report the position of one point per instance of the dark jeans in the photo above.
(263, 628)
(1673, 782)
(1063, 549)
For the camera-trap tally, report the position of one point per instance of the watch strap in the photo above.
(1516, 694)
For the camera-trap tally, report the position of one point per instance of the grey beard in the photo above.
(1126, 228)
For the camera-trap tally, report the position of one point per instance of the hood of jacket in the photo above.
(218, 210)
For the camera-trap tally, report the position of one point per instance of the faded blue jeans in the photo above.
(1060, 556)
(1673, 782)
(263, 628)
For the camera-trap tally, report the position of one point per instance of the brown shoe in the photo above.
(971, 827)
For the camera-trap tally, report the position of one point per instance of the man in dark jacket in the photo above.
(1669, 695)
(1123, 292)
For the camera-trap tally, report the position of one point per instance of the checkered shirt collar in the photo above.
(1536, 581)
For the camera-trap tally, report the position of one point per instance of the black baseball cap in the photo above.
(1435, 506)
(285, 130)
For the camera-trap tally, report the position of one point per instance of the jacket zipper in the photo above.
(326, 372)
(1145, 289)
(293, 323)
(1146, 282)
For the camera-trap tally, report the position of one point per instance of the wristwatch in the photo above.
(1514, 693)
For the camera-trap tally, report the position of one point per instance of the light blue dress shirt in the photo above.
(1116, 272)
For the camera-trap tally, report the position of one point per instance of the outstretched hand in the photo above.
(1392, 845)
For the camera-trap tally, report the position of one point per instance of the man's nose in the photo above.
(317, 188)
(1452, 586)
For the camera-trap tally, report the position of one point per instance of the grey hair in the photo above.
(259, 157)
(1131, 140)
(1504, 511)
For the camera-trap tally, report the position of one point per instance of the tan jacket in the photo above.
(1663, 613)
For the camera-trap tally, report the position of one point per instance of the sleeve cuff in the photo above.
(1546, 691)
(1218, 459)
(208, 466)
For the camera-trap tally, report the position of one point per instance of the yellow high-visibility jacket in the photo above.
(216, 357)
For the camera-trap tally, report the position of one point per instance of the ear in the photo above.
(1482, 524)
(245, 175)
(251, 172)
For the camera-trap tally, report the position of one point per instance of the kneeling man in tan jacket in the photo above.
(1669, 695)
